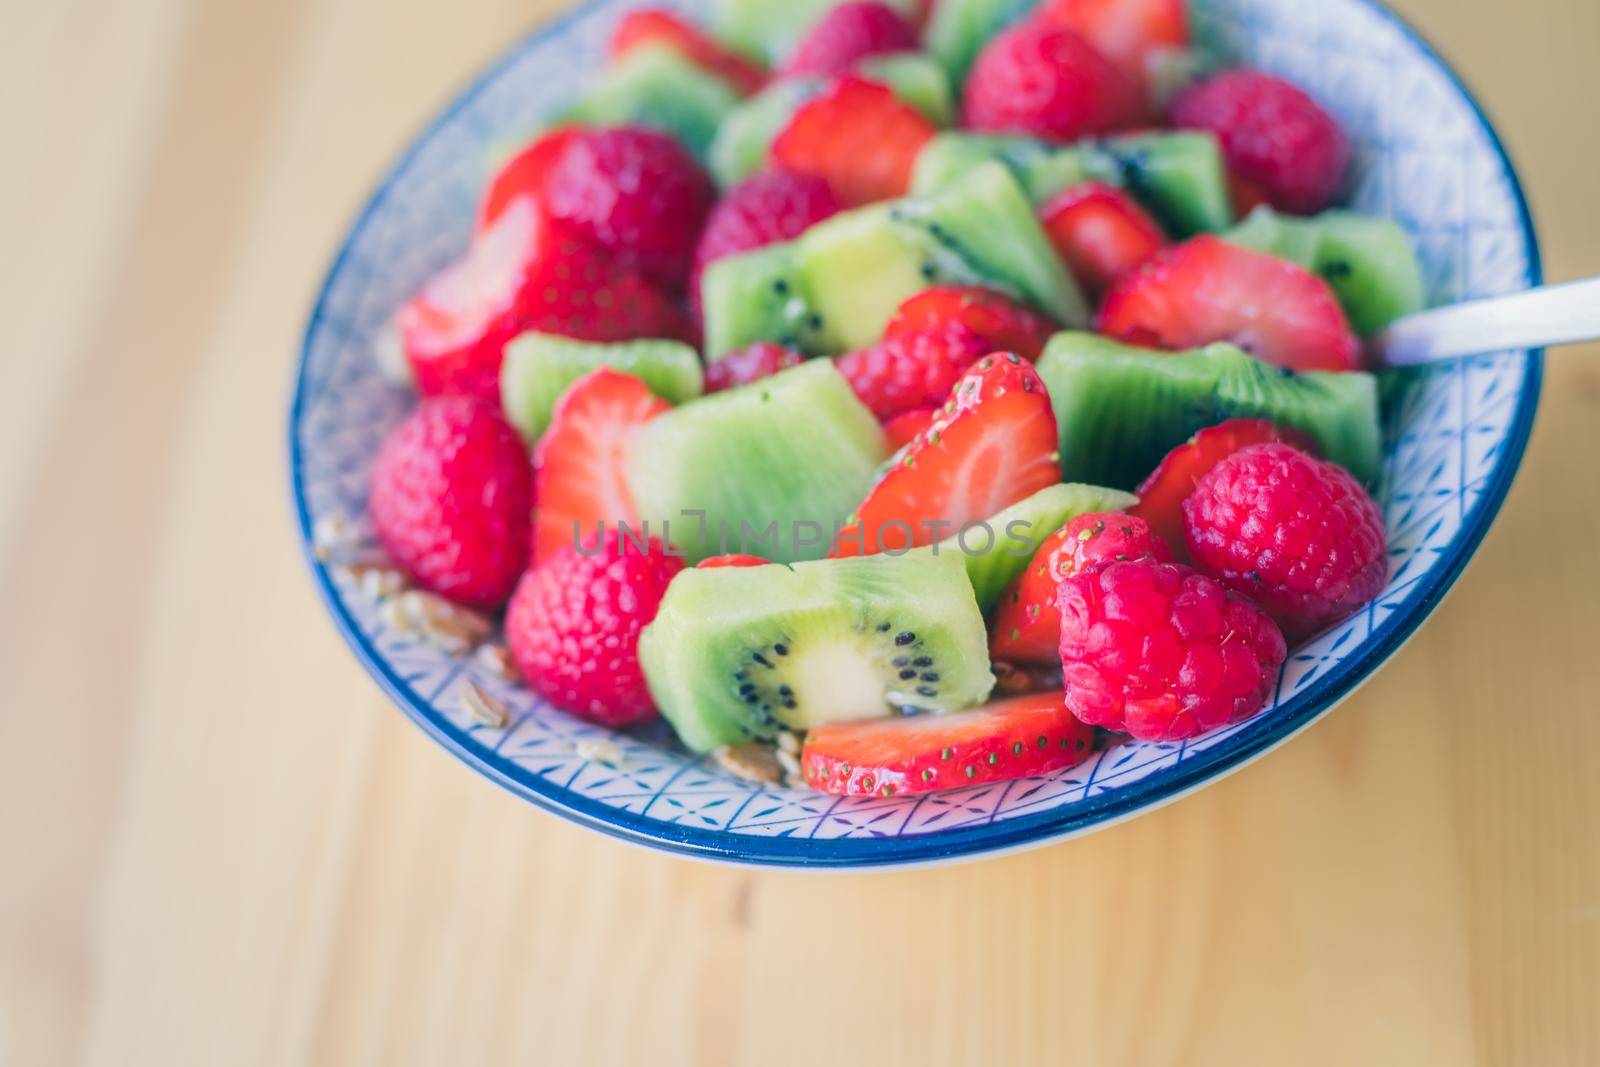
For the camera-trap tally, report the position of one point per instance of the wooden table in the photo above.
(223, 846)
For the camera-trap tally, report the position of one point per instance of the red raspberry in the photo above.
(848, 33)
(450, 500)
(769, 206)
(1275, 138)
(911, 370)
(1161, 652)
(573, 626)
(745, 365)
(1298, 534)
(1040, 79)
(635, 193)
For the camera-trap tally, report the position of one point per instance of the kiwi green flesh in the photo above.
(1368, 261)
(916, 79)
(958, 29)
(759, 296)
(740, 653)
(538, 368)
(654, 85)
(772, 468)
(998, 551)
(1120, 409)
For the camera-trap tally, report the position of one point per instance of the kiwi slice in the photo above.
(538, 367)
(916, 80)
(998, 552)
(958, 29)
(1121, 408)
(759, 296)
(1178, 175)
(1367, 260)
(654, 85)
(770, 468)
(737, 653)
(1041, 169)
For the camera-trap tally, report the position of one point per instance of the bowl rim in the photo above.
(1250, 742)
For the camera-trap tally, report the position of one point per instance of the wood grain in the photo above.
(221, 846)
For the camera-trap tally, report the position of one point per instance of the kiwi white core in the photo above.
(841, 682)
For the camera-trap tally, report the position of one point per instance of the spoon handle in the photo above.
(1548, 315)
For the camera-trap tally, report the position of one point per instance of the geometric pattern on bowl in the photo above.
(1425, 155)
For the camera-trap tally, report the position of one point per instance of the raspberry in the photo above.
(1275, 138)
(450, 500)
(573, 626)
(1040, 79)
(1298, 534)
(745, 365)
(1161, 652)
(848, 33)
(772, 205)
(635, 193)
(911, 370)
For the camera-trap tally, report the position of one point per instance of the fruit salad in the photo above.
(897, 396)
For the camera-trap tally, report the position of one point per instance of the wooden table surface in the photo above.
(223, 846)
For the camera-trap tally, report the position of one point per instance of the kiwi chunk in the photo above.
(736, 653)
(760, 295)
(538, 367)
(1178, 175)
(958, 29)
(770, 468)
(654, 85)
(916, 80)
(1368, 261)
(999, 551)
(1041, 169)
(768, 30)
(1121, 409)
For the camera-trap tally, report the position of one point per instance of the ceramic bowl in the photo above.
(1425, 155)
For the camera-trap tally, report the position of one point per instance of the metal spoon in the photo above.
(1549, 315)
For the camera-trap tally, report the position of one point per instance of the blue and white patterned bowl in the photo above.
(1426, 155)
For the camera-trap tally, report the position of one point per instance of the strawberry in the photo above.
(732, 559)
(1003, 324)
(573, 626)
(1276, 140)
(1209, 290)
(1014, 738)
(450, 500)
(906, 425)
(523, 273)
(1027, 624)
(1100, 232)
(1161, 495)
(1134, 34)
(858, 136)
(993, 443)
(634, 193)
(655, 25)
(1039, 79)
(578, 464)
(911, 370)
(523, 175)
(745, 365)
(848, 33)
(771, 205)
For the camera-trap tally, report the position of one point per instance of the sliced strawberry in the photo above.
(911, 370)
(858, 136)
(523, 175)
(654, 25)
(993, 443)
(523, 272)
(906, 425)
(1161, 495)
(1209, 290)
(745, 365)
(578, 463)
(1013, 738)
(1134, 34)
(733, 559)
(1027, 623)
(1100, 232)
(1004, 325)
